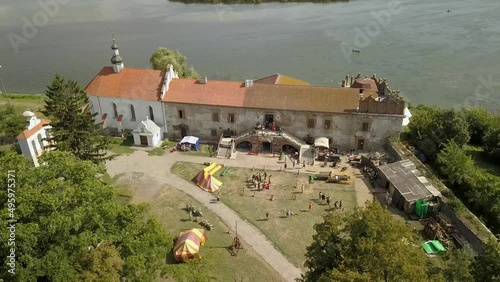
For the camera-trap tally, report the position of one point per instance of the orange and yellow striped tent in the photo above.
(188, 244)
(206, 180)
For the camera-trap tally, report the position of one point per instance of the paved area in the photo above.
(153, 173)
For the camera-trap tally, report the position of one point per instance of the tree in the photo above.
(455, 164)
(431, 128)
(162, 57)
(73, 126)
(460, 266)
(11, 124)
(491, 140)
(479, 120)
(71, 228)
(365, 245)
(486, 268)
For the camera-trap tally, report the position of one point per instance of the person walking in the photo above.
(328, 200)
(319, 196)
(302, 188)
(267, 215)
(323, 198)
(340, 204)
(310, 206)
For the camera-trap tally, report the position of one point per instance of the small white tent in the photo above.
(407, 114)
(147, 133)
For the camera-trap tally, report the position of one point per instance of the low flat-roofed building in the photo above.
(406, 185)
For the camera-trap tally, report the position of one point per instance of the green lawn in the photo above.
(204, 151)
(121, 146)
(216, 262)
(290, 235)
(24, 102)
(159, 151)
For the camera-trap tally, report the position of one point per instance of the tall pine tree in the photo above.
(73, 126)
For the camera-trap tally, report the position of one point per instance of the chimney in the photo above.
(203, 80)
(248, 83)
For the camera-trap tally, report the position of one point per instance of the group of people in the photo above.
(261, 181)
(328, 200)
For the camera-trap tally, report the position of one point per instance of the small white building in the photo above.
(147, 133)
(32, 139)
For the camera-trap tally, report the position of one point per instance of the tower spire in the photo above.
(116, 60)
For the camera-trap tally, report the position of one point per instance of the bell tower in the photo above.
(116, 60)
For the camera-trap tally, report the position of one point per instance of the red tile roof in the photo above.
(264, 96)
(141, 84)
(27, 133)
(280, 79)
(214, 92)
(304, 98)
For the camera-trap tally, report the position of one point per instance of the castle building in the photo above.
(361, 114)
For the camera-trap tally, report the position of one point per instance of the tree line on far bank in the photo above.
(447, 137)
(254, 1)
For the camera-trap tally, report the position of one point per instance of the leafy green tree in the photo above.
(69, 225)
(491, 140)
(431, 128)
(73, 126)
(162, 57)
(460, 266)
(486, 268)
(479, 120)
(11, 124)
(455, 164)
(365, 245)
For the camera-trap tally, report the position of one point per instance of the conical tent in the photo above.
(206, 180)
(188, 244)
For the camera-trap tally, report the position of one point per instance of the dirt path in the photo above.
(156, 172)
(153, 173)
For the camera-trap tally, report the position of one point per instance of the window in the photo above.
(181, 114)
(328, 124)
(215, 116)
(230, 117)
(151, 114)
(213, 132)
(39, 137)
(311, 123)
(366, 126)
(132, 112)
(115, 110)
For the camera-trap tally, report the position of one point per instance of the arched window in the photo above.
(33, 144)
(151, 114)
(115, 110)
(132, 112)
(39, 137)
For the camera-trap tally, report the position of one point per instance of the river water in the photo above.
(431, 55)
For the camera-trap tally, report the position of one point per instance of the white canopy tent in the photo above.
(322, 142)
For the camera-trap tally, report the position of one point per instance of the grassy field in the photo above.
(121, 146)
(217, 262)
(204, 151)
(292, 234)
(24, 102)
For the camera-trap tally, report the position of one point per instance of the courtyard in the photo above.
(281, 241)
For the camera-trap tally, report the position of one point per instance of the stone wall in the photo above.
(343, 129)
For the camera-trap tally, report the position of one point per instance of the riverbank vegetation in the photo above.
(371, 245)
(463, 146)
(162, 57)
(253, 1)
